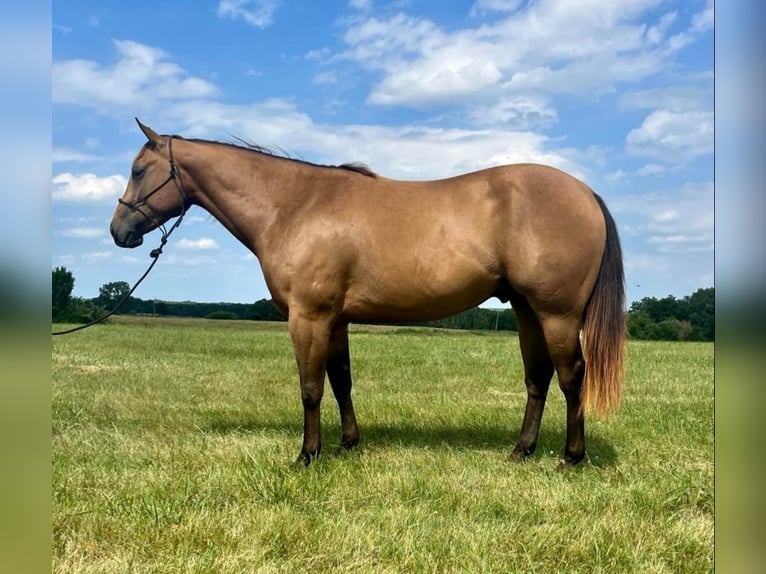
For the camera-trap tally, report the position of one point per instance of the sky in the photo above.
(618, 93)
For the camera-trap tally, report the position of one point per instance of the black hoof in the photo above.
(346, 446)
(520, 454)
(568, 464)
(304, 459)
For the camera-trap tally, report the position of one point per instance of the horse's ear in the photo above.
(150, 134)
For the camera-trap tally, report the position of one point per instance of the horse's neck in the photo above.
(243, 190)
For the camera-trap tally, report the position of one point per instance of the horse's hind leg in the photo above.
(339, 373)
(562, 336)
(538, 370)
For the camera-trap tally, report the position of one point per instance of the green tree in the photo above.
(61, 293)
(669, 329)
(109, 294)
(689, 319)
(701, 306)
(264, 310)
(658, 309)
(641, 326)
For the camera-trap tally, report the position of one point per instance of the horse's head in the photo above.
(154, 193)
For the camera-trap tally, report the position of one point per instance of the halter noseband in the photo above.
(173, 176)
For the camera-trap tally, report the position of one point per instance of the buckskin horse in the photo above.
(341, 244)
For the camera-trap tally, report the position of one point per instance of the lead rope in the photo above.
(154, 253)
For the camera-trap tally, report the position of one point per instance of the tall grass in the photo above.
(172, 442)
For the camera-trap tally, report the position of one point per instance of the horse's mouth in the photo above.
(130, 240)
(131, 244)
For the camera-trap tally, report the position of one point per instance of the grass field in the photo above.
(172, 444)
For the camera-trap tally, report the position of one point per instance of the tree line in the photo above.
(690, 318)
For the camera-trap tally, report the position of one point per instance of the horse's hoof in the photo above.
(300, 463)
(346, 447)
(304, 459)
(520, 454)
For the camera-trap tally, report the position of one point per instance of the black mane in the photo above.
(243, 144)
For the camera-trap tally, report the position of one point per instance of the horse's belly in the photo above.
(419, 292)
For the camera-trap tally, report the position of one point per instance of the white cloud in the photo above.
(683, 243)
(361, 4)
(96, 257)
(83, 232)
(325, 78)
(376, 44)
(668, 216)
(199, 218)
(60, 154)
(523, 111)
(202, 244)
(87, 187)
(318, 55)
(548, 46)
(656, 33)
(483, 6)
(140, 79)
(644, 262)
(704, 21)
(554, 46)
(258, 13)
(693, 95)
(189, 261)
(651, 169)
(615, 176)
(421, 83)
(129, 259)
(408, 152)
(701, 22)
(679, 221)
(673, 136)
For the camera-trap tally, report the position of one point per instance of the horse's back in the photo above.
(446, 245)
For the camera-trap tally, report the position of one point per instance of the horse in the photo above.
(342, 244)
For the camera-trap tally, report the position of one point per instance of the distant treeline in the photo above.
(689, 319)
(669, 319)
(264, 310)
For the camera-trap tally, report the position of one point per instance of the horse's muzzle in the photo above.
(126, 238)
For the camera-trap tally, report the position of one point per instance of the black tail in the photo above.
(604, 328)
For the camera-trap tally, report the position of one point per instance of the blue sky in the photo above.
(618, 93)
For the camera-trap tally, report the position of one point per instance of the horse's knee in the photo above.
(311, 395)
(571, 377)
(538, 380)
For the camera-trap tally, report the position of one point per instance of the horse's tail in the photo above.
(604, 329)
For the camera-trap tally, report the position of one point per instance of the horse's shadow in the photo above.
(600, 452)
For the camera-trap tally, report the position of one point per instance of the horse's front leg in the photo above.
(310, 336)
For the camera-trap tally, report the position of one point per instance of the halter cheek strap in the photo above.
(174, 176)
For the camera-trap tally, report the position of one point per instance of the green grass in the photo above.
(172, 444)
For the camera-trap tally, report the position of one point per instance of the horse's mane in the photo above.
(244, 144)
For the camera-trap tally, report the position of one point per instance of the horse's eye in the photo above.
(137, 172)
